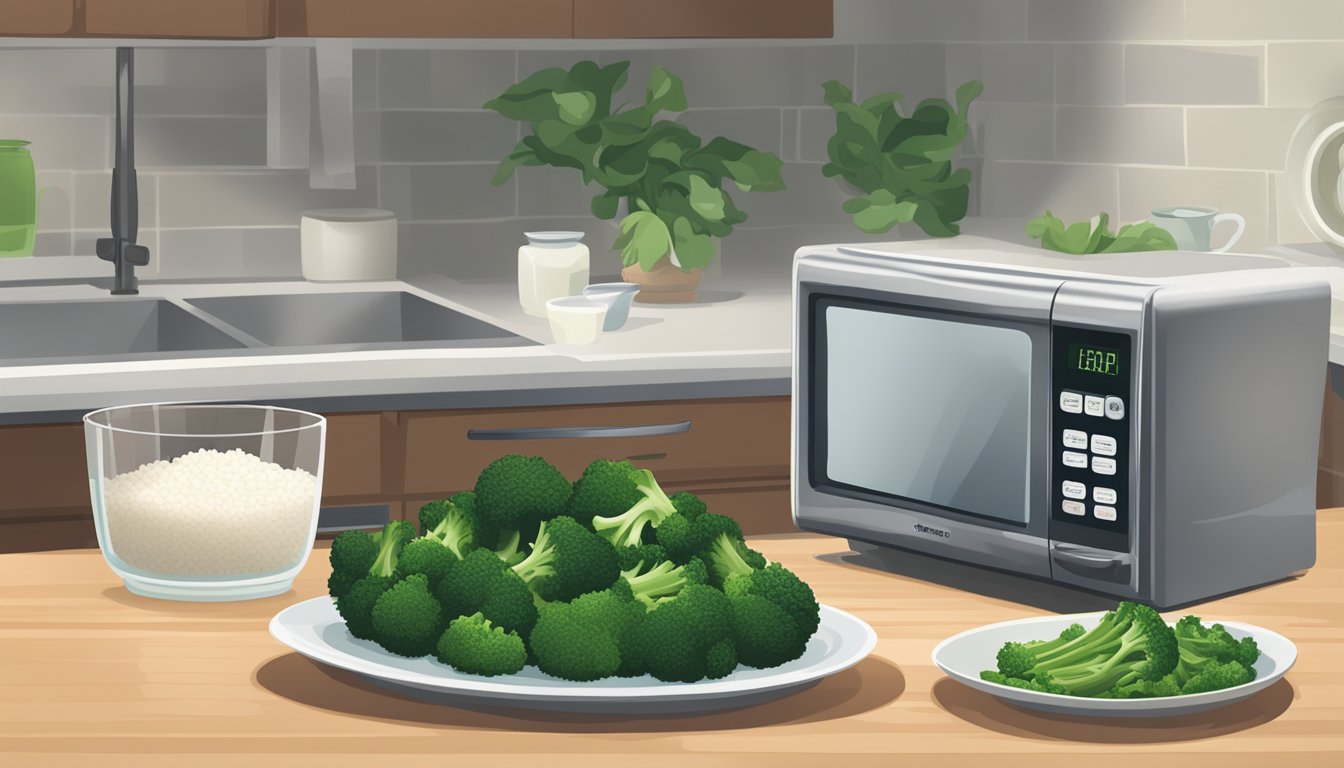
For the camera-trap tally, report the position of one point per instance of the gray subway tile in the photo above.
(199, 81)
(881, 20)
(200, 141)
(1020, 72)
(1092, 20)
(757, 128)
(807, 196)
(429, 79)
(364, 86)
(815, 128)
(63, 143)
(1002, 131)
(1089, 73)
(413, 136)
(234, 253)
(53, 244)
(756, 76)
(1178, 74)
(92, 200)
(1243, 192)
(1073, 192)
(61, 81)
(917, 71)
(252, 198)
(1302, 74)
(55, 199)
(792, 120)
(1264, 20)
(546, 191)
(439, 192)
(488, 250)
(1289, 226)
(1240, 137)
(1154, 135)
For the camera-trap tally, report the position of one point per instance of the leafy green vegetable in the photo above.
(1094, 236)
(902, 166)
(670, 179)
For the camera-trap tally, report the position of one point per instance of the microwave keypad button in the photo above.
(1103, 495)
(1078, 460)
(1073, 490)
(1104, 513)
(1075, 508)
(1075, 438)
(1102, 466)
(1103, 445)
(1092, 405)
(1070, 402)
(1115, 408)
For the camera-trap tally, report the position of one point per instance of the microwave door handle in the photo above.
(1088, 558)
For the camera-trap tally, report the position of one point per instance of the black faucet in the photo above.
(121, 249)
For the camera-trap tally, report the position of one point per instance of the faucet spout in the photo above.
(121, 249)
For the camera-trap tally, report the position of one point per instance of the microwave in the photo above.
(1148, 432)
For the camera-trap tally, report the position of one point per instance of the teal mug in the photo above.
(18, 199)
(1192, 227)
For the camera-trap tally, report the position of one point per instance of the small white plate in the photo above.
(315, 629)
(964, 656)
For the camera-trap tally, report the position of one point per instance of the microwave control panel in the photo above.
(1091, 373)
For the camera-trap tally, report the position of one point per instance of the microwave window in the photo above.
(928, 409)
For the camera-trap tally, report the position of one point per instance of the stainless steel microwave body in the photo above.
(1153, 440)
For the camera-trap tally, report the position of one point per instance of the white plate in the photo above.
(314, 629)
(963, 657)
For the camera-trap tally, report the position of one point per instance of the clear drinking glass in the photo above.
(205, 502)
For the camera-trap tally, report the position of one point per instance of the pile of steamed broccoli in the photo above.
(616, 579)
(1131, 654)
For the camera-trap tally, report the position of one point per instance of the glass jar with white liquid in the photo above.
(551, 265)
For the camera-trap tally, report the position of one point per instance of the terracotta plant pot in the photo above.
(666, 284)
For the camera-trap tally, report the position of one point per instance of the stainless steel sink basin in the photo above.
(353, 320)
(74, 331)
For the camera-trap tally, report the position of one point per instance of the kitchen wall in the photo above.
(1117, 105)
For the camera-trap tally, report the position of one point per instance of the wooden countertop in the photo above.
(93, 675)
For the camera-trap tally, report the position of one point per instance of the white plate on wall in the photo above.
(315, 629)
(964, 656)
(1314, 171)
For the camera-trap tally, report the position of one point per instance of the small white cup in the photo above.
(576, 319)
(1192, 227)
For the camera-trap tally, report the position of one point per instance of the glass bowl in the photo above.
(205, 502)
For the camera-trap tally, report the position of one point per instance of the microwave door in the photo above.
(923, 398)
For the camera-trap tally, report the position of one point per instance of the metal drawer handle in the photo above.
(1088, 558)
(565, 433)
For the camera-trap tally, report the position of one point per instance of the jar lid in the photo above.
(349, 214)
(554, 237)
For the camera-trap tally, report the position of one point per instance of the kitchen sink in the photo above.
(75, 331)
(356, 320)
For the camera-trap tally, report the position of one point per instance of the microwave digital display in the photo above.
(1089, 359)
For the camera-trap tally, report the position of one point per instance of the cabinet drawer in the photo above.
(42, 467)
(37, 17)
(353, 465)
(727, 439)
(425, 18)
(228, 19)
(703, 18)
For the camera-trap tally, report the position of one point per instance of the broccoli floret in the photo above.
(568, 560)
(427, 556)
(483, 583)
(453, 527)
(674, 640)
(582, 640)
(1017, 659)
(390, 540)
(727, 556)
(518, 492)
(688, 505)
(356, 605)
(606, 489)
(1130, 643)
(1215, 676)
(1215, 642)
(352, 555)
(473, 645)
(686, 536)
(991, 676)
(782, 587)
(1144, 689)
(663, 580)
(637, 557)
(630, 527)
(407, 618)
(721, 659)
(765, 634)
(509, 550)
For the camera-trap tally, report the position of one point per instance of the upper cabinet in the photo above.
(265, 19)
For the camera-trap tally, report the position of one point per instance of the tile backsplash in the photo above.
(1117, 105)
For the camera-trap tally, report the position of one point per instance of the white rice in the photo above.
(208, 513)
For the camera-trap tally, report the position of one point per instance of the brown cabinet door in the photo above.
(36, 17)
(228, 19)
(703, 18)
(425, 18)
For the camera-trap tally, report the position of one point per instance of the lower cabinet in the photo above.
(734, 452)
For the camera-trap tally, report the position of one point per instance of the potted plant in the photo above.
(899, 168)
(665, 182)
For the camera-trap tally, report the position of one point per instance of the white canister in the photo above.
(348, 244)
(551, 265)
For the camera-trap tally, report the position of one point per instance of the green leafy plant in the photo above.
(1094, 236)
(901, 166)
(671, 181)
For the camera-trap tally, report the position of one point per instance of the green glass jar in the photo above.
(18, 199)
